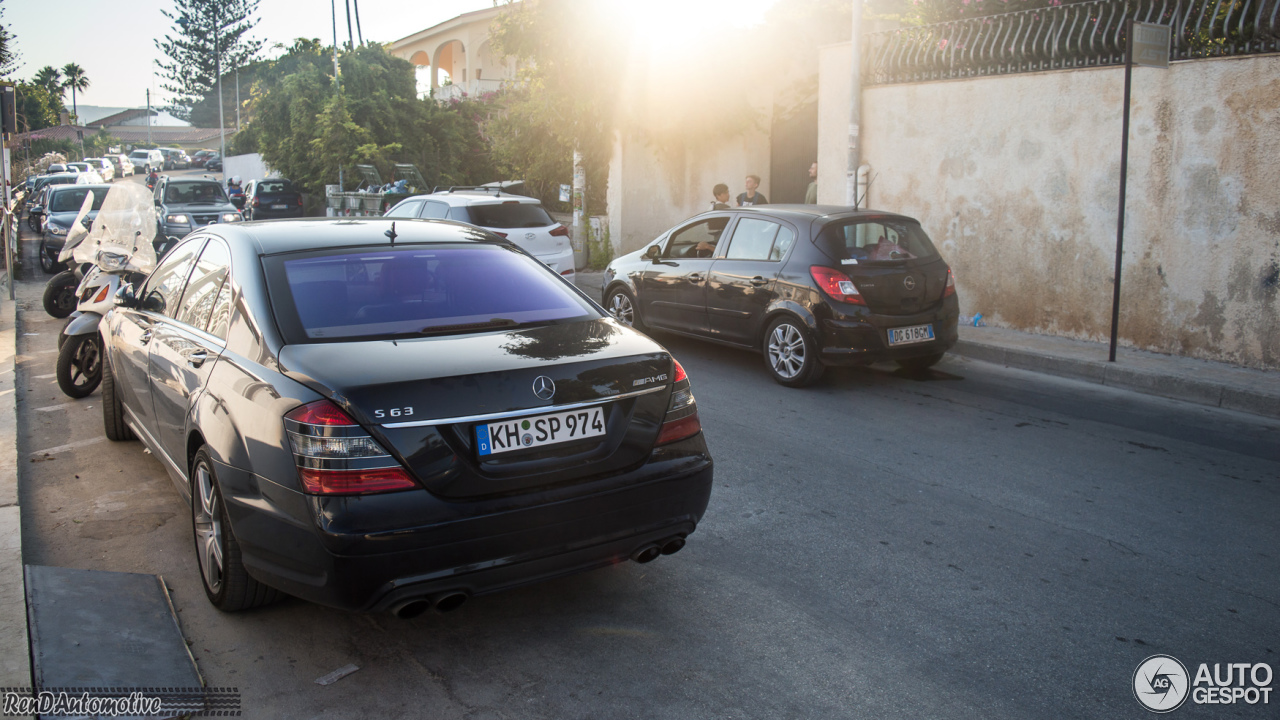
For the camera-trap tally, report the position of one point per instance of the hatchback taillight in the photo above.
(560, 231)
(681, 420)
(256, 202)
(950, 288)
(836, 284)
(335, 456)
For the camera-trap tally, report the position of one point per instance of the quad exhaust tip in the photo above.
(672, 546)
(650, 552)
(411, 609)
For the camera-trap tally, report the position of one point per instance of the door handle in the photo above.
(196, 358)
(758, 281)
(146, 337)
(695, 278)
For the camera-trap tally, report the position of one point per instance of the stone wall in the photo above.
(1017, 179)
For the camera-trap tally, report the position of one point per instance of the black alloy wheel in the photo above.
(621, 304)
(226, 583)
(79, 368)
(790, 353)
(47, 264)
(60, 294)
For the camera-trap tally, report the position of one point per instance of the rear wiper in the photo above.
(462, 327)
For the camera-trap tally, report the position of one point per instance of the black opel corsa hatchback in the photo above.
(381, 416)
(807, 285)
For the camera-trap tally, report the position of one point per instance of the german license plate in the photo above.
(532, 432)
(279, 207)
(909, 335)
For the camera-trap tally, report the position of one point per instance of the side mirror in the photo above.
(126, 297)
(653, 252)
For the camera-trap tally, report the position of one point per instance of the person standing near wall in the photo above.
(721, 193)
(751, 197)
(811, 195)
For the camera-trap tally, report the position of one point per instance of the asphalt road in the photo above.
(975, 543)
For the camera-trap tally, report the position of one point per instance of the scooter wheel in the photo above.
(80, 365)
(60, 294)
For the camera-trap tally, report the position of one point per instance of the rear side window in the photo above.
(435, 210)
(202, 289)
(416, 291)
(876, 241)
(755, 239)
(510, 215)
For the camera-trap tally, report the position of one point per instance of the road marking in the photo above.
(6, 392)
(70, 446)
(51, 408)
(44, 377)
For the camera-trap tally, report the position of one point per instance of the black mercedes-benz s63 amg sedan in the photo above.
(393, 416)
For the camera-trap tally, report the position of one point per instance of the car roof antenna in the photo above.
(391, 233)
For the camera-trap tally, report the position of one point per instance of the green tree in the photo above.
(50, 78)
(205, 31)
(75, 80)
(37, 109)
(9, 57)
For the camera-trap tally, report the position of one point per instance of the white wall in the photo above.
(1016, 178)
(248, 167)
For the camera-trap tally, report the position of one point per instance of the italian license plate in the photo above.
(909, 335)
(532, 432)
(279, 207)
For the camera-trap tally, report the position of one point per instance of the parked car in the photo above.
(103, 167)
(522, 220)
(175, 159)
(199, 157)
(805, 285)
(213, 162)
(63, 205)
(36, 206)
(184, 204)
(122, 165)
(272, 198)
(357, 418)
(145, 160)
(80, 167)
(57, 168)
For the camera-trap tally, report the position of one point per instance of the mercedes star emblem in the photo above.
(529, 236)
(909, 282)
(543, 387)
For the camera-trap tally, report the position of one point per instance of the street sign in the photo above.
(1151, 45)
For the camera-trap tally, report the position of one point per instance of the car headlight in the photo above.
(177, 219)
(231, 217)
(112, 262)
(56, 229)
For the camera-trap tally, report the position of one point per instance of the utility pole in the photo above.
(855, 109)
(222, 123)
(579, 202)
(148, 116)
(237, 99)
(337, 82)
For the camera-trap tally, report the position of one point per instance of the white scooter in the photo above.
(119, 246)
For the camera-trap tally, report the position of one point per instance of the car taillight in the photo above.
(256, 203)
(567, 272)
(560, 231)
(300, 203)
(950, 288)
(335, 456)
(836, 284)
(681, 420)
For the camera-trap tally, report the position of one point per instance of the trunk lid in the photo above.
(889, 258)
(423, 399)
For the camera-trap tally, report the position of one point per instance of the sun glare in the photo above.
(673, 23)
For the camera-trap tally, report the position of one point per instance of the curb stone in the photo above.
(15, 655)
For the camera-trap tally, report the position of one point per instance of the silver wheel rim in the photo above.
(786, 351)
(621, 309)
(208, 529)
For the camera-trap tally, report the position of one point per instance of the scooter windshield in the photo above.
(77, 233)
(124, 227)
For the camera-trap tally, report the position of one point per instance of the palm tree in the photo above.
(76, 80)
(50, 78)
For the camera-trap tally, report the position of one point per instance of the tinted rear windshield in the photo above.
(139, 154)
(416, 291)
(509, 215)
(275, 186)
(71, 199)
(880, 240)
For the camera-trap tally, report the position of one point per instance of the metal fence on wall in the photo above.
(1075, 35)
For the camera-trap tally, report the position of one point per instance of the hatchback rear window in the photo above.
(71, 199)
(510, 215)
(416, 291)
(275, 186)
(881, 240)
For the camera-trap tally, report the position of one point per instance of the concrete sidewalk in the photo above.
(1198, 381)
(15, 657)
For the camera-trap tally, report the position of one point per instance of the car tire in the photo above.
(79, 369)
(60, 294)
(917, 364)
(113, 423)
(622, 305)
(47, 264)
(226, 582)
(790, 353)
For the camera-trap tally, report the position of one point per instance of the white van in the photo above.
(144, 161)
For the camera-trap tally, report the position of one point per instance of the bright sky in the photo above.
(113, 39)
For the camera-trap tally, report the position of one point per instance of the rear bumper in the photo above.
(265, 213)
(299, 543)
(561, 262)
(862, 340)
